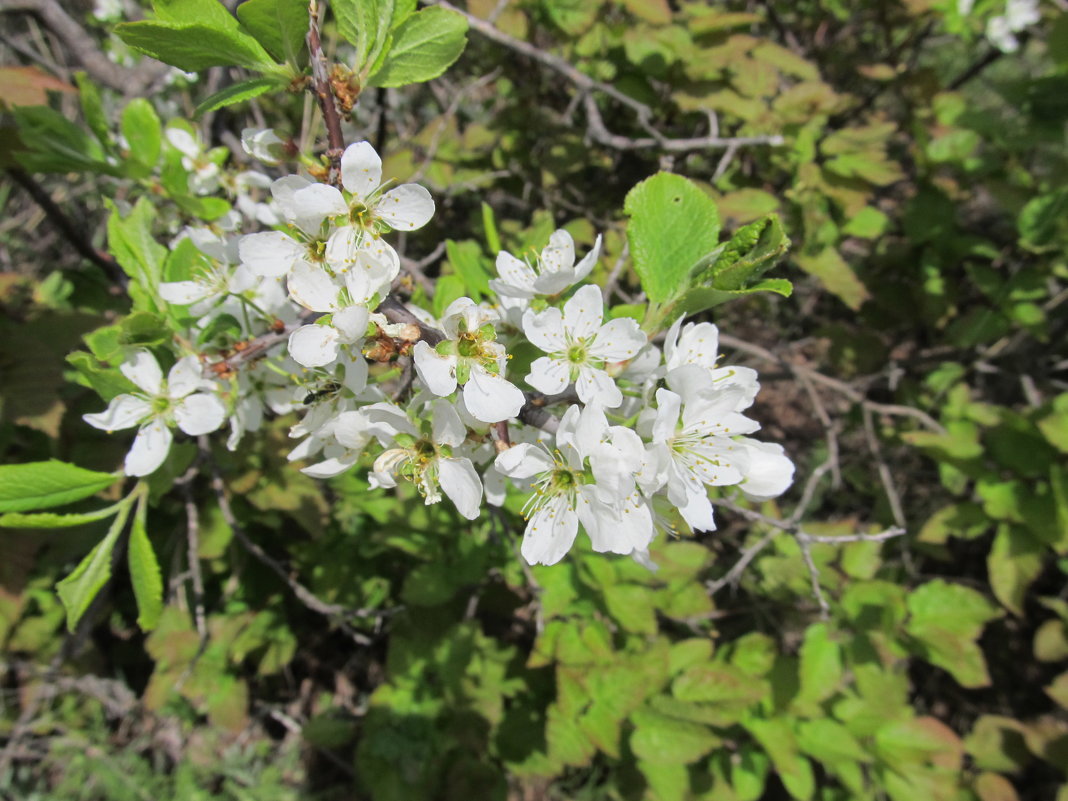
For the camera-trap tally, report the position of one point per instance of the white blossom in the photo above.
(579, 348)
(179, 400)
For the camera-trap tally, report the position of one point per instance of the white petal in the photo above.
(313, 204)
(361, 169)
(618, 340)
(436, 371)
(770, 471)
(460, 482)
(448, 428)
(523, 461)
(517, 277)
(550, 533)
(559, 254)
(351, 323)
(328, 468)
(200, 414)
(149, 449)
(351, 430)
(124, 411)
(406, 208)
(545, 330)
(491, 398)
(184, 142)
(583, 268)
(495, 486)
(142, 368)
(584, 311)
(185, 377)
(697, 512)
(312, 288)
(184, 292)
(314, 345)
(549, 375)
(667, 415)
(270, 254)
(597, 385)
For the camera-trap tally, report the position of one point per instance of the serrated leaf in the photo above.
(663, 740)
(281, 26)
(364, 24)
(92, 107)
(136, 250)
(673, 226)
(54, 520)
(79, 589)
(836, 276)
(42, 485)
(144, 572)
(195, 46)
(143, 132)
(422, 47)
(237, 93)
(821, 664)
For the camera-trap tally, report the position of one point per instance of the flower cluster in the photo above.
(640, 432)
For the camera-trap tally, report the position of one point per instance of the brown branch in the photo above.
(324, 93)
(891, 409)
(336, 612)
(129, 81)
(71, 232)
(586, 85)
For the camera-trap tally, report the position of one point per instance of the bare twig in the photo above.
(748, 555)
(336, 612)
(891, 409)
(130, 81)
(814, 578)
(192, 516)
(324, 93)
(70, 231)
(586, 85)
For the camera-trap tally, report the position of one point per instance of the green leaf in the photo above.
(143, 133)
(447, 289)
(106, 381)
(632, 606)
(58, 144)
(663, 740)
(821, 664)
(466, 260)
(489, 225)
(53, 520)
(212, 13)
(195, 46)
(365, 24)
(1041, 220)
(237, 93)
(836, 276)
(281, 26)
(79, 588)
(1014, 562)
(673, 226)
(424, 46)
(136, 250)
(794, 770)
(144, 571)
(93, 107)
(41, 485)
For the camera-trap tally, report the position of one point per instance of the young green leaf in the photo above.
(93, 107)
(364, 24)
(279, 25)
(143, 133)
(673, 226)
(41, 485)
(144, 571)
(53, 520)
(136, 250)
(424, 46)
(196, 46)
(78, 589)
(237, 93)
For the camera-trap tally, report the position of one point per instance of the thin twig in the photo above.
(130, 81)
(70, 231)
(324, 93)
(336, 612)
(192, 516)
(814, 578)
(748, 555)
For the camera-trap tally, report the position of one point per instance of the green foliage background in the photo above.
(916, 376)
